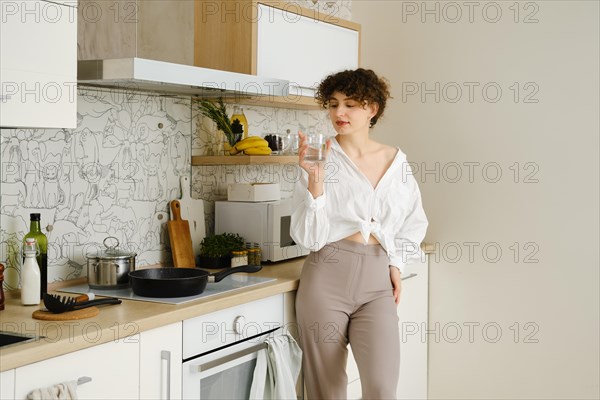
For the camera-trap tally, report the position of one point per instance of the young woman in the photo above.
(360, 214)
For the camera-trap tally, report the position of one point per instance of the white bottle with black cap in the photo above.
(30, 274)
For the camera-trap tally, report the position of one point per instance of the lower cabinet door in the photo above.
(160, 362)
(412, 314)
(354, 390)
(110, 369)
(7, 385)
(351, 367)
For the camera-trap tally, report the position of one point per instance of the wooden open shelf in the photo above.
(243, 160)
(291, 102)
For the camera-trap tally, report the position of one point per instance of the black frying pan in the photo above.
(178, 282)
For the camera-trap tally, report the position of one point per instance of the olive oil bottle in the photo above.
(35, 232)
(238, 118)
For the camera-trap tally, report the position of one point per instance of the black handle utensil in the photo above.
(60, 304)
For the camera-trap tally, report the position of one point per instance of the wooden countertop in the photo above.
(126, 319)
(129, 318)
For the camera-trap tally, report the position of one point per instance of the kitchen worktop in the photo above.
(126, 319)
(130, 317)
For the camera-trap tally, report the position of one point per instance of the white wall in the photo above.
(554, 218)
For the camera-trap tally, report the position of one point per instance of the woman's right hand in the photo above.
(314, 169)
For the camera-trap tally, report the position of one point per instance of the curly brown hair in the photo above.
(362, 85)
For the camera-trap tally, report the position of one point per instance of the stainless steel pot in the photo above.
(109, 269)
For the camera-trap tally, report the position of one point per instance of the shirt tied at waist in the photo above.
(374, 227)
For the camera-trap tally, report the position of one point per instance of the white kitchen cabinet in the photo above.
(113, 368)
(160, 362)
(354, 388)
(7, 385)
(412, 314)
(301, 48)
(38, 64)
(278, 40)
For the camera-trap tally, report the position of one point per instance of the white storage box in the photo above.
(253, 191)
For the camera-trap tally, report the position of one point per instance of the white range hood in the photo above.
(164, 77)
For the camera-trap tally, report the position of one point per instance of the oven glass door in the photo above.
(230, 382)
(224, 374)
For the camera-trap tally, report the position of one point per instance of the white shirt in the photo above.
(392, 211)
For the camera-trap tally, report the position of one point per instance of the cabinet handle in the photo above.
(165, 356)
(409, 276)
(83, 379)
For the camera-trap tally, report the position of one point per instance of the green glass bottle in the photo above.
(42, 241)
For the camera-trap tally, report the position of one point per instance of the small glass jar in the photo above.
(252, 256)
(239, 258)
(254, 253)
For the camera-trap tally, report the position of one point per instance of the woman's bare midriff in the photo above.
(357, 237)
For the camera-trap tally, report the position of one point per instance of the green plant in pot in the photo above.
(215, 250)
(218, 114)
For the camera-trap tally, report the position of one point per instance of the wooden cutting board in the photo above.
(179, 236)
(193, 211)
(66, 316)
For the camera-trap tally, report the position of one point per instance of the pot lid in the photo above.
(111, 252)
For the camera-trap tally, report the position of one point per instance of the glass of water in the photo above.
(316, 147)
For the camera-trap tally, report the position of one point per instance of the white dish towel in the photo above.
(62, 391)
(277, 369)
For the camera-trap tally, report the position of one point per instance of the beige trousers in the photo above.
(345, 296)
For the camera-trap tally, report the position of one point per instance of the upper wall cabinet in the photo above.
(161, 30)
(275, 39)
(38, 64)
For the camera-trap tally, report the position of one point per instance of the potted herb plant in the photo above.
(218, 114)
(215, 250)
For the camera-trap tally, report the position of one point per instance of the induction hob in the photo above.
(228, 284)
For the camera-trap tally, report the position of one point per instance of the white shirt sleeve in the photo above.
(407, 241)
(309, 221)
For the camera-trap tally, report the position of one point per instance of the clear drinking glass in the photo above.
(316, 147)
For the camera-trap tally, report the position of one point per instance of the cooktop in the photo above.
(228, 284)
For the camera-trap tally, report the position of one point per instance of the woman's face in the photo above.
(348, 115)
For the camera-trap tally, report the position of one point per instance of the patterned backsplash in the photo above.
(115, 174)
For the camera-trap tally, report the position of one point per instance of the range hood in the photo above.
(164, 77)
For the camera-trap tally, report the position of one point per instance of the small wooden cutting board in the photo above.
(66, 316)
(180, 238)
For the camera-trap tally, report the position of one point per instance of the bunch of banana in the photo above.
(252, 145)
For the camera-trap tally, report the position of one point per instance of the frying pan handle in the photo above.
(217, 276)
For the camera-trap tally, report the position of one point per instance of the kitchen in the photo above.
(119, 129)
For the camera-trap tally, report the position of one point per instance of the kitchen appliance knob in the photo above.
(238, 324)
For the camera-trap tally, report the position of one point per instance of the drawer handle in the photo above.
(165, 356)
(409, 276)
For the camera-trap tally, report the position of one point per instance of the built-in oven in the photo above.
(266, 223)
(220, 348)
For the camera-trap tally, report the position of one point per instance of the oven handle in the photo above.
(225, 359)
(166, 356)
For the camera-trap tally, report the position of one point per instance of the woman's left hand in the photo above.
(396, 283)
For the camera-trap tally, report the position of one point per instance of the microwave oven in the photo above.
(266, 223)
